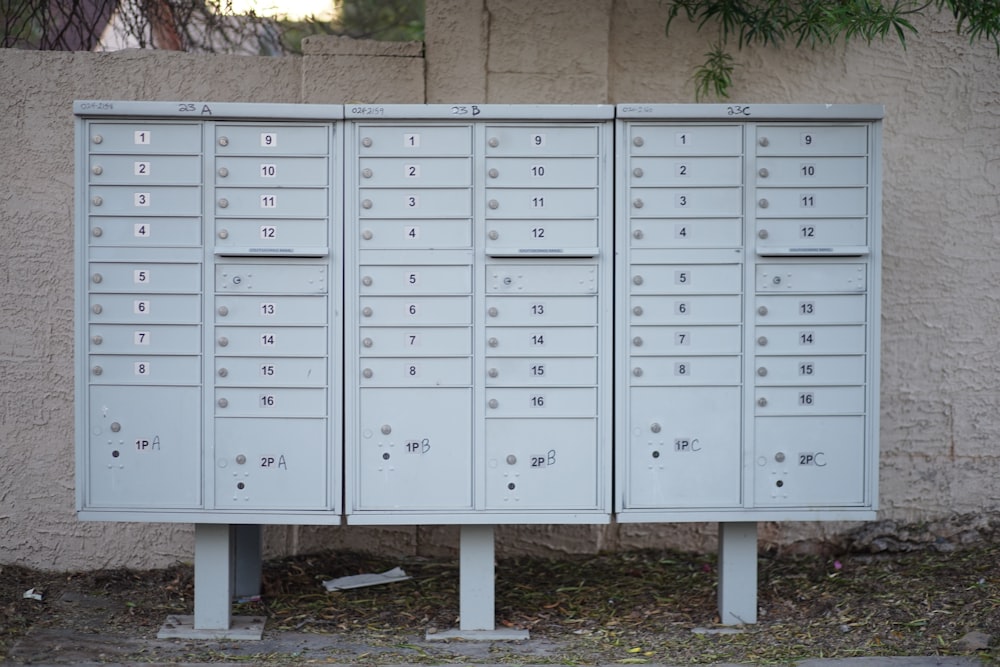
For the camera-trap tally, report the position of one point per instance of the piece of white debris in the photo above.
(32, 594)
(362, 580)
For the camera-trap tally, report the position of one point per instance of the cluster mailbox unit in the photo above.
(476, 315)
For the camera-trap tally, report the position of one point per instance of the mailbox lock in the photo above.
(223, 341)
(493, 342)
(493, 372)
(763, 141)
(762, 402)
(223, 310)
(223, 141)
(511, 459)
(223, 403)
(655, 428)
(779, 457)
(366, 281)
(366, 172)
(494, 235)
(97, 277)
(97, 201)
(493, 312)
(637, 311)
(638, 141)
(762, 341)
(367, 342)
(637, 172)
(493, 173)
(494, 204)
(636, 280)
(762, 372)
(115, 427)
(637, 371)
(637, 234)
(386, 429)
(762, 234)
(656, 454)
(762, 310)
(493, 142)
(223, 172)
(511, 486)
(223, 233)
(776, 280)
(366, 203)
(237, 280)
(223, 372)
(241, 459)
(763, 172)
(97, 139)
(366, 142)
(637, 203)
(97, 170)
(223, 203)
(367, 235)
(367, 373)
(386, 456)
(97, 308)
(97, 231)
(367, 311)
(637, 341)
(97, 340)
(494, 403)
(507, 280)
(763, 203)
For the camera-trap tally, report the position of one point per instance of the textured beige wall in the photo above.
(940, 425)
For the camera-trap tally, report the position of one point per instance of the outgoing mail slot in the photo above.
(416, 279)
(687, 279)
(825, 400)
(678, 458)
(271, 464)
(541, 370)
(148, 309)
(268, 171)
(541, 203)
(272, 278)
(536, 464)
(811, 277)
(145, 232)
(812, 202)
(274, 139)
(809, 461)
(410, 173)
(805, 339)
(261, 234)
(405, 454)
(144, 277)
(687, 233)
(270, 371)
(812, 171)
(272, 202)
(549, 341)
(685, 171)
(722, 309)
(541, 140)
(409, 311)
(149, 138)
(262, 340)
(538, 310)
(825, 309)
(145, 369)
(809, 370)
(674, 371)
(413, 234)
(145, 169)
(685, 139)
(548, 172)
(270, 310)
(414, 140)
(811, 233)
(144, 200)
(657, 340)
(416, 372)
(415, 202)
(685, 202)
(812, 140)
(527, 237)
(145, 339)
(270, 402)
(541, 402)
(140, 454)
(542, 278)
(415, 341)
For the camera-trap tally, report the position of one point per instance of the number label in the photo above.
(141, 137)
(141, 230)
(268, 170)
(538, 232)
(544, 461)
(807, 368)
(537, 401)
(411, 140)
(806, 398)
(412, 233)
(538, 202)
(411, 171)
(141, 169)
(141, 368)
(267, 400)
(807, 308)
(537, 170)
(538, 140)
(269, 139)
(681, 169)
(807, 201)
(268, 232)
(140, 307)
(140, 276)
(140, 337)
(682, 338)
(412, 201)
(807, 139)
(681, 139)
(807, 231)
(267, 340)
(806, 338)
(538, 309)
(681, 201)
(537, 339)
(268, 201)
(538, 370)
(267, 309)
(681, 308)
(682, 369)
(141, 199)
(682, 277)
(680, 231)
(267, 370)
(808, 169)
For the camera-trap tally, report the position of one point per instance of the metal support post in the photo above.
(738, 573)
(249, 561)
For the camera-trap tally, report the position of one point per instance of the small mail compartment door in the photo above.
(541, 203)
(145, 232)
(152, 339)
(686, 202)
(541, 371)
(825, 339)
(145, 137)
(809, 309)
(272, 202)
(415, 310)
(256, 340)
(542, 238)
(267, 171)
(145, 200)
(686, 171)
(687, 232)
(809, 371)
(160, 169)
(415, 341)
(415, 234)
(145, 369)
(272, 278)
(271, 464)
(686, 278)
(416, 372)
(144, 277)
(812, 171)
(548, 172)
(415, 451)
(541, 310)
(560, 141)
(676, 371)
(410, 173)
(680, 310)
(270, 234)
(551, 341)
(811, 277)
(814, 202)
(700, 340)
(810, 462)
(416, 202)
(140, 454)
(812, 140)
(685, 449)
(416, 279)
(810, 400)
(541, 279)
(541, 402)
(541, 464)
(818, 235)
(270, 371)
(415, 140)
(153, 308)
(695, 140)
(274, 138)
(270, 402)
(270, 310)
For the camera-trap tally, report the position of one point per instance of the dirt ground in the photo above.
(626, 608)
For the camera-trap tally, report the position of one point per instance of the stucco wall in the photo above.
(939, 423)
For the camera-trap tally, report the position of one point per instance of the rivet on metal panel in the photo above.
(637, 172)
(493, 342)
(493, 173)
(367, 311)
(494, 235)
(366, 173)
(637, 203)
(637, 234)
(223, 141)
(386, 429)
(97, 170)
(493, 142)
(241, 459)
(493, 312)
(762, 341)
(763, 141)
(637, 311)
(366, 281)
(762, 372)
(98, 370)
(97, 308)
(763, 203)
(223, 403)
(223, 341)
(763, 172)
(367, 235)
(223, 233)
(97, 201)
(779, 457)
(762, 310)
(115, 427)
(637, 341)
(494, 403)
(97, 139)
(493, 372)
(637, 371)
(762, 234)
(367, 142)
(223, 310)
(494, 204)
(97, 340)
(762, 402)
(367, 342)
(367, 373)
(223, 203)
(97, 277)
(638, 141)
(223, 372)
(636, 280)
(367, 203)
(223, 172)
(97, 231)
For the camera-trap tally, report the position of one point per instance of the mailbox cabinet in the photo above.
(747, 312)
(208, 317)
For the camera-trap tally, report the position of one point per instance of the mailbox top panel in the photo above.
(208, 110)
(473, 112)
(752, 112)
